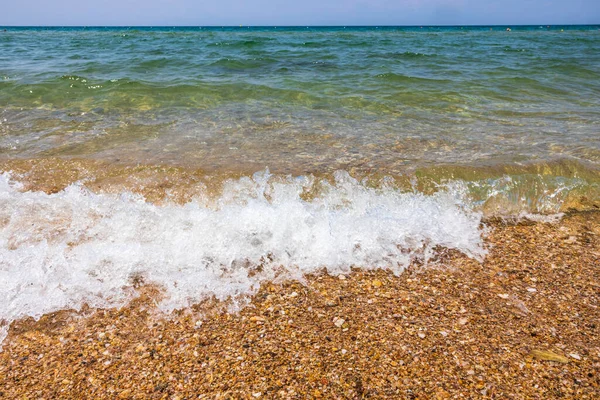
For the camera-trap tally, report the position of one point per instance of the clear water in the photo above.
(302, 100)
(385, 144)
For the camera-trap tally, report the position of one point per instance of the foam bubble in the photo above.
(63, 250)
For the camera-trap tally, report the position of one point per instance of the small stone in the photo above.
(377, 283)
(257, 318)
(546, 355)
(575, 356)
(531, 290)
(294, 294)
(338, 322)
(342, 277)
(257, 394)
(503, 296)
(421, 335)
(444, 333)
(463, 321)
(331, 303)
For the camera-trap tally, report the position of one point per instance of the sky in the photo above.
(297, 12)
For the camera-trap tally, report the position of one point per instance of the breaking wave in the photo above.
(63, 250)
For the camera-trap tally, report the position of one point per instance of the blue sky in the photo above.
(298, 12)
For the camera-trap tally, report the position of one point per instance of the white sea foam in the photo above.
(60, 251)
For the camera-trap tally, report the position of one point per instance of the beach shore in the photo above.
(524, 323)
(327, 212)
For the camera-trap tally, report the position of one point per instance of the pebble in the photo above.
(338, 322)
(546, 355)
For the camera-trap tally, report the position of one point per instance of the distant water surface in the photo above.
(302, 99)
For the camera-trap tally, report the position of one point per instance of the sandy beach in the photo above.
(524, 323)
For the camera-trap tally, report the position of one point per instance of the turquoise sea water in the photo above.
(385, 146)
(305, 98)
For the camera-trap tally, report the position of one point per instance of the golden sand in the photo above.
(525, 323)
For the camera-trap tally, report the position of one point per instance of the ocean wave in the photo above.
(393, 77)
(509, 49)
(63, 250)
(574, 70)
(403, 55)
(243, 64)
(242, 44)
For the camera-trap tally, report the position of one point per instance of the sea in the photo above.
(208, 160)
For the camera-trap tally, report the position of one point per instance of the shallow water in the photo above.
(62, 250)
(132, 153)
(301, 100)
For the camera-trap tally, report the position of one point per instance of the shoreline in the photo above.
(523, 323)
(565, 184)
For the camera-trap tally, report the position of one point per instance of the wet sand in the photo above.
(525, 323)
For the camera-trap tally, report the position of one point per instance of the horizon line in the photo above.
(294, 26)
